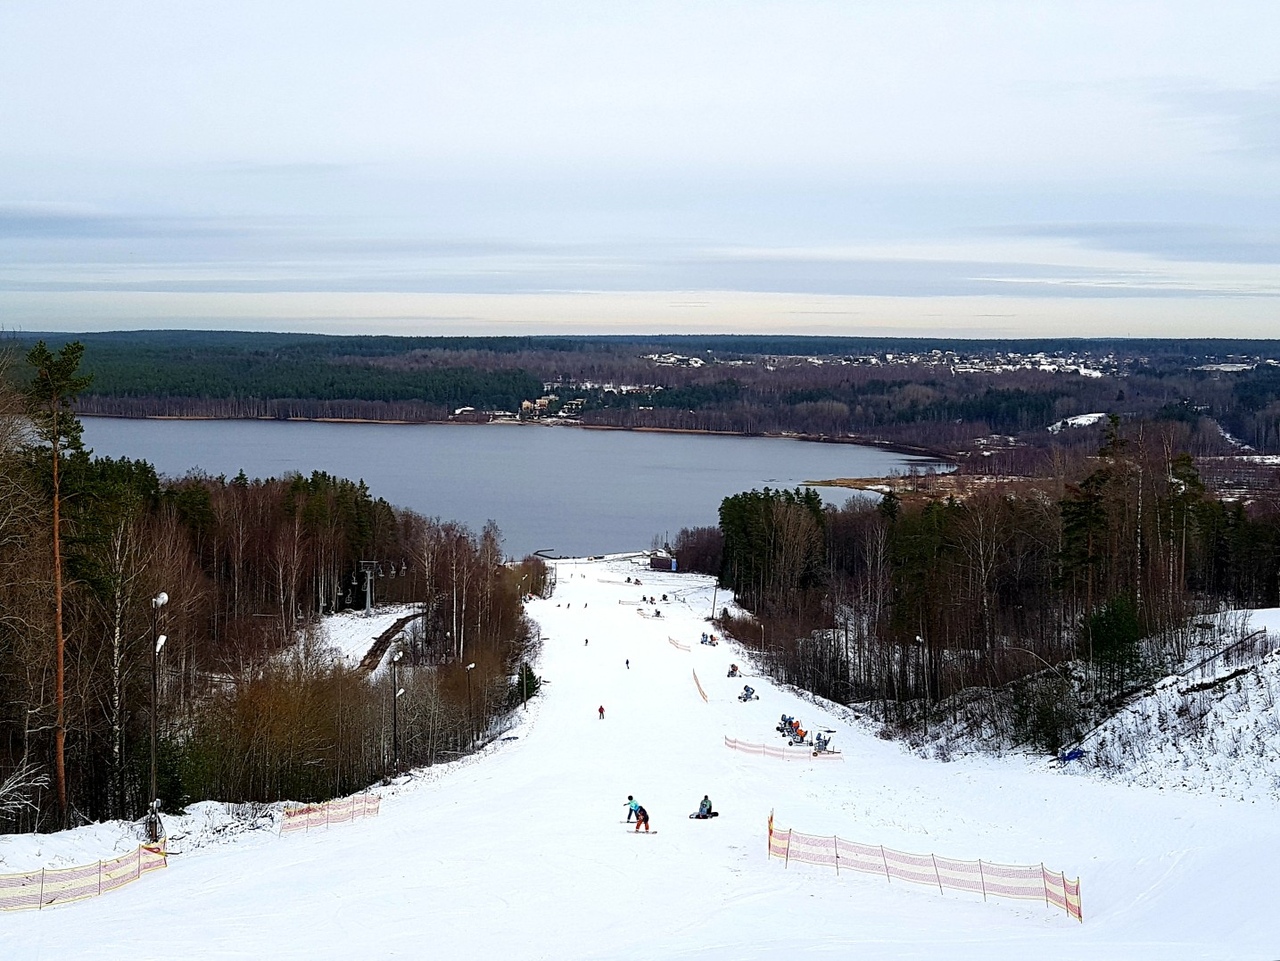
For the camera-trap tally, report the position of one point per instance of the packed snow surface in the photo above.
(522, 853)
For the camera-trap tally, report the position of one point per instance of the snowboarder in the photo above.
(602, 712)
(704, 810)
(632, 806)
(586, 641)
(628, 664)
(642, 817)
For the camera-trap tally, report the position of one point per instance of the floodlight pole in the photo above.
(157, 642)
(471, 721)
(395, 724)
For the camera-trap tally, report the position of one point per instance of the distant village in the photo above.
(554, 407)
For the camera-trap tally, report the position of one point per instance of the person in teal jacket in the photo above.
(632, 807)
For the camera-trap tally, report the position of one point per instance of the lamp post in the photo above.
(471, 724)
(158, 639)
(395, 724)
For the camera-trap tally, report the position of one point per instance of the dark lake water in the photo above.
(562, 489)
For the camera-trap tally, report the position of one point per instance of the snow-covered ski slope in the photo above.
(522, 853)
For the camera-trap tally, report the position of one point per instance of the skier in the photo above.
(602, 712)
(632, 806)
(642, 817)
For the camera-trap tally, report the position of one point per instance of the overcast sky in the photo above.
(977, 168)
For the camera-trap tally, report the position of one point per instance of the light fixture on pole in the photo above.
(471, 725)
(395, 725)
(153, 813)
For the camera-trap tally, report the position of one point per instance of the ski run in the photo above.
(518, 852)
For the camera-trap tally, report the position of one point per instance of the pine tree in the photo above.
(55, 384)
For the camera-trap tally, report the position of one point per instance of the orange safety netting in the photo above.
(307, 816)
(786, 753)
(1028, 882)
(49, 886)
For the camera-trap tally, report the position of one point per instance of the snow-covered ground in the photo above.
(1214, 729)
(1080, 420)
(522, 853)
(351, 634)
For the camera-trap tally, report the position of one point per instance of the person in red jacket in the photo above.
(602, 712)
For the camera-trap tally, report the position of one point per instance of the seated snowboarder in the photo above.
(704, 810)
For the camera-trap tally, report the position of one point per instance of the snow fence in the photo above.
(50, 886)
(1024, 882)
(698, 684)
(767, 750)
(304, 817)
(678, 645)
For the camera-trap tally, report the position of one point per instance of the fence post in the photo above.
(835, 844)
(99, 877)
(982, 879)
(936, 875)
(787, 857)
(886, 865)
(40, 906)
(1044, 879)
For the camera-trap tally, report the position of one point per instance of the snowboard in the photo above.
(642, 832)
(713, 814)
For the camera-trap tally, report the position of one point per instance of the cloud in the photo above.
(1216, 243)
(1247, 117)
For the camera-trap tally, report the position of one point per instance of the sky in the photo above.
(981, 169)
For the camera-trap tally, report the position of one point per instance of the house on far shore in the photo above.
(662, 562)
(469, 415)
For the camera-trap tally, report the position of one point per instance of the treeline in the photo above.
(938, 394)
(1071, 589)
(248, 705)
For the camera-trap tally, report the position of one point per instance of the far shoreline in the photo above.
(855, 440)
